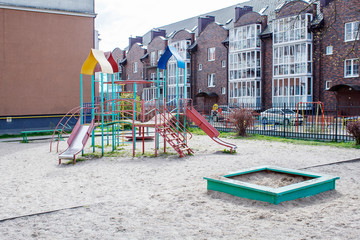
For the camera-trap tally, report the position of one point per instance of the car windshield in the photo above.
(288, 111)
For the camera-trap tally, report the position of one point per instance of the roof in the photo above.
(169, 52)
(96, 57)
(207, 94)
(145, 56)
(222, 16)
(339, 86)
(192, 47)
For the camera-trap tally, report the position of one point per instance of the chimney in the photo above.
(134, 40)
(158, 32)
(239, 11)
(324, 3)
(264, 21)
(204, 21)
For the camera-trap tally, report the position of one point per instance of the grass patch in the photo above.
(229, 152)
(301, 141)
(196, 131)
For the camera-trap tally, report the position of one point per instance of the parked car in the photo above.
(351, 119)
(281, 116)
(223, 112)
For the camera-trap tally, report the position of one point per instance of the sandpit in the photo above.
(120, 197)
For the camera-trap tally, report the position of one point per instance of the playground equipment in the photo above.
(118, 108)
(239, 184)
(315, 113)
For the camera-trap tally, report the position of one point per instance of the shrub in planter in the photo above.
(354, 129)
(242, 119)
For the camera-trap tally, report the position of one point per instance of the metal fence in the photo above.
(314, 121)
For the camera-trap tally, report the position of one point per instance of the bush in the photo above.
(354, 129)
(242, 119)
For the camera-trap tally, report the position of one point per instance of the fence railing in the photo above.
(315, 120)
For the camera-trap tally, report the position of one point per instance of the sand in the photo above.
(121, 197)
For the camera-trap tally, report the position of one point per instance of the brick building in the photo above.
(264, 54)
(209, 65)
(43, 46)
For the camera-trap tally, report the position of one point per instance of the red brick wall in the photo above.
(134, 55)
(331, 67)
(212, 36)
(41, 56)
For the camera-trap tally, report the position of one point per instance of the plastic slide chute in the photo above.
(201, 122)
(77, 140)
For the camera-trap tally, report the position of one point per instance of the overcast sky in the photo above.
(117, 20)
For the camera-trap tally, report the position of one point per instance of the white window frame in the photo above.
(291, 29)
(223, 90)
(292, 59)
(354, 31)
(211, 54)
(328, 85)
(152, 76)
(245, 65)
(211, 80)
(329, 50)
(152, 58)
(223, 63)
(200, 67)
(135, 67)
(352, 72)
(160, 53)
(246, 37)
(200, 90)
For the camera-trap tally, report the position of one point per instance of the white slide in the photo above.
(77, 140)
(76, 145)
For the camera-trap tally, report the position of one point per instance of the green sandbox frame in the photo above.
(318, 184)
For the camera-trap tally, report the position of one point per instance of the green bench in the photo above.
(25, 133)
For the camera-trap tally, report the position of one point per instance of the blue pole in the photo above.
(177, 96)
(102, 115)
(92, 110)
(158, 87)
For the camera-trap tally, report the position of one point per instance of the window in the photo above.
(328, 85)
(223, 63)
(135, 67)
(351, 31)
(200, 67)
(152, 58)
(223, 90)
(160, 53)
(351, 68)
(292, 59)
(245, 65)
(292, 28)
(199, 90)
(211, 54)
(142, 75)
(211, 80)
(244, 37)
(152, 76)
(329, 50)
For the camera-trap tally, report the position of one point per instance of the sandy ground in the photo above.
(121, 197)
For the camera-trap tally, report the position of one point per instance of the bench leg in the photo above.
(25, 138)
(74, 160)
(59, 161)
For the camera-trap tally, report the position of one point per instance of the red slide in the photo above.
(201, 122)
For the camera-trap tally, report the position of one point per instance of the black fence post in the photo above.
(284, 122)
(336, 120)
